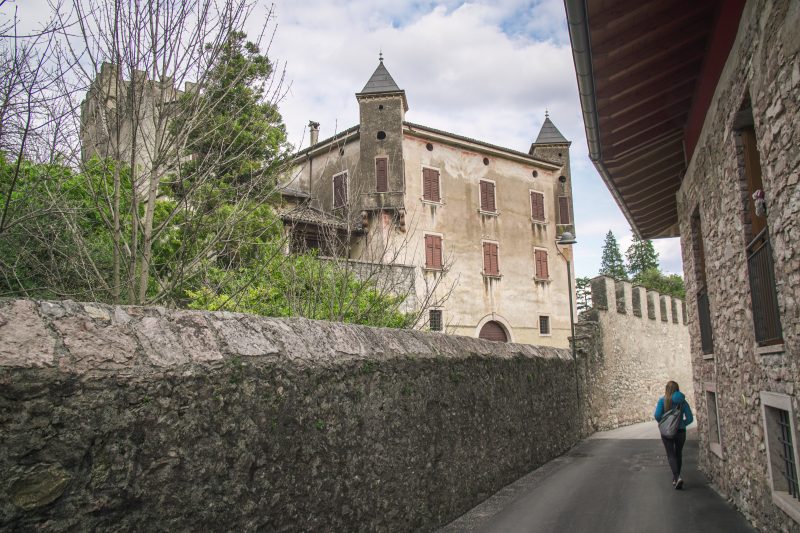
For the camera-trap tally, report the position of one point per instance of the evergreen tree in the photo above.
(612, 264)
(641, 256)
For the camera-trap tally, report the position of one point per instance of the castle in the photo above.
(473, 220)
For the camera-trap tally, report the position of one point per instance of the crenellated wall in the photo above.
(638, 340)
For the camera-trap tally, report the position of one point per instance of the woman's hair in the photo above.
(669, 390)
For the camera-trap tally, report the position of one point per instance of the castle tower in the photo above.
(379, 180)
(552, 146)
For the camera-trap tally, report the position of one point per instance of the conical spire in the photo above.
(381, 81)
(549, 134)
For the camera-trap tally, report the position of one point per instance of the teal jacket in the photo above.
(677, 398)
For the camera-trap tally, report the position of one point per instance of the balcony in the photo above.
(766, 317)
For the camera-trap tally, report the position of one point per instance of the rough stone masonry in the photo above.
(132, 418)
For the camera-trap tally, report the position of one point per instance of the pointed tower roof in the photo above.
(549, 134)
(381, 82)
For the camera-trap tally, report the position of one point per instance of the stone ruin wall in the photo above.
(124, 417)
(636, 340)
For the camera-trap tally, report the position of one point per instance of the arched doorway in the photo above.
(493, 331)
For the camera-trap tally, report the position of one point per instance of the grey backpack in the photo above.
(670, 421)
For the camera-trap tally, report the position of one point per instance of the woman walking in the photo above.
(673, 397)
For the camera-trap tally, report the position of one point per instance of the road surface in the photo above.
(615, 481)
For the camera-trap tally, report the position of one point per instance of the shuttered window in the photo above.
(430, 185)
(563, 210)
(381, 174)
(433, 252)
(540, 257)
(537, 206)
(491, 266)
(340, 190)
(487, 196)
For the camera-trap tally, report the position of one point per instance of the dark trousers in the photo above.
(674, 447)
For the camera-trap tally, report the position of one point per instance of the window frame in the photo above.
(333, 185)
(569, 210)
(425, 236)
(536, 275)
(441, 319)
(377, 182)
(779, 402)
(549, 326)
(439, 185)
(494, 197)
(535, 220)
(496, 244)
(710, 390)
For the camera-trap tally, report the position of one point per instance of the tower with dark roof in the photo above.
(551, 145)
(382, 106)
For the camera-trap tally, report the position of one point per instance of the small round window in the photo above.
(380, 107)
(429, 146)
(381, 135)
(535, 173)
(485, 160)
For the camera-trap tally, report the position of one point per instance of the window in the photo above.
(540, 259)
(490, 264)
(703, 306)
(537, 206)
(430, 185)
(381, 174)
(563, 210)
(340, 190)
(435, 320)
(433, 252)
(487, 196)
(544, 325)
(781, 441)
(760, 266)
(714, 435)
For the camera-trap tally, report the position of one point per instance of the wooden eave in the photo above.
(646, 72)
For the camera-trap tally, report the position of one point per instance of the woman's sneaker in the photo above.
(679, 484)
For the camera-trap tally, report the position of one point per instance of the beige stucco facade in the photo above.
(391, 226)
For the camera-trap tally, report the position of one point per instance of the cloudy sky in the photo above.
(486, 69)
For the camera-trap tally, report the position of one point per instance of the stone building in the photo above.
(476, 222)
(692, 119)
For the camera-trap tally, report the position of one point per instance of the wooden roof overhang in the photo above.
(647, 71)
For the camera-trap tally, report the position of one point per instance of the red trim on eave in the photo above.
(719, 46)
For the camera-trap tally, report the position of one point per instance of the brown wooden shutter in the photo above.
(537, 206)
(437, 252)
(491, 266)
(430, 185)
(339, 190)
(381, 175)
(433, 251)
(541, 264)
(563, 210)
(487, 196)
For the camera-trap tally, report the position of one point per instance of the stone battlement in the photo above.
(629, 299)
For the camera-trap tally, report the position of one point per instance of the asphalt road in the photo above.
(616, 481)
